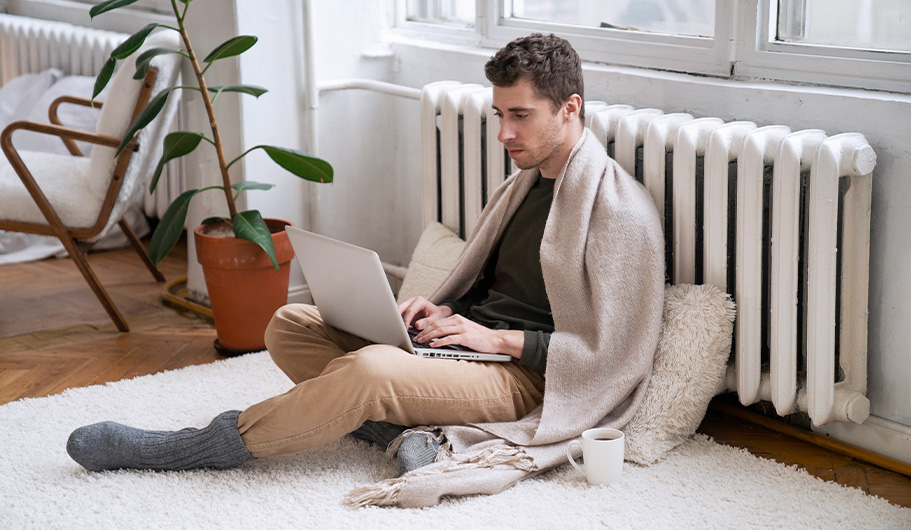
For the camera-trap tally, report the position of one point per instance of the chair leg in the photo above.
(82, 264)
(140, 249)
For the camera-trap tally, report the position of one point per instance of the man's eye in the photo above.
(521, 116)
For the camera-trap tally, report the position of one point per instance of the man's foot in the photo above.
(110, 445)
(417, 450)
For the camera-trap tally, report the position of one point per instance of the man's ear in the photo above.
(571, 107)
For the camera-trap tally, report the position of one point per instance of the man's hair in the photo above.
(550, 63)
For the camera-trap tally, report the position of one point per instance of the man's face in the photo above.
(529, 129)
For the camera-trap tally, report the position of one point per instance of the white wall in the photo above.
(365, 135)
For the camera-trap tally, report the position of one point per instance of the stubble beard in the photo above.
(551, 147)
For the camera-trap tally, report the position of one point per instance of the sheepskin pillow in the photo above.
(689, 366)
(433, 258)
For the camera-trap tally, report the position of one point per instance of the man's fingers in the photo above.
(410, 309)
(443, 327)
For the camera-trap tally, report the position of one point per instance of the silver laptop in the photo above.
(352, 294)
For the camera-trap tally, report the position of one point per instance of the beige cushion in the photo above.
(689, 367)
(433, 258)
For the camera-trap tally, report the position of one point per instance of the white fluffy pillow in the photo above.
(689, 366)
(433, 258)
(19, 95)
(73, 116)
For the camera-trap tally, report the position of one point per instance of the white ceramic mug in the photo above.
(602, 450)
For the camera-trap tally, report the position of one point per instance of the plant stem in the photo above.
(210, 111)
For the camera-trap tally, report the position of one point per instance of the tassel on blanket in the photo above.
(385, 493)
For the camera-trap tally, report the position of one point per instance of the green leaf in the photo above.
(253, 90)
(251, 185)
(133, 42)
(231, 47)
(145, 60)
(300, 164)
(249, 225)
(145, 117)
(110, 5)
(104, 76)
(168, 231)
(210, 220)
(176, 145)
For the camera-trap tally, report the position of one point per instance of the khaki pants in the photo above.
(342, 380)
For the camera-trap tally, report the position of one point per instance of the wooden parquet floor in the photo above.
(55, 335)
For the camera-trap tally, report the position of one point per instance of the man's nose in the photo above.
(506, 132)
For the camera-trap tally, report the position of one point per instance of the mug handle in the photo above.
(569, 455)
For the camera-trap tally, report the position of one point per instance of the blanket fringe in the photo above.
(383, 493)
(495, 455)
(386, 492)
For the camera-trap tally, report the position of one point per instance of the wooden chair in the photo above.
(78, 199)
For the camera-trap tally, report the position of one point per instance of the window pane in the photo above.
(450, 12)
(866, 24)
(676, 17)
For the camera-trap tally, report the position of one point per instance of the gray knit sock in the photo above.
(379, 432)
(417, 450)
(110, 445)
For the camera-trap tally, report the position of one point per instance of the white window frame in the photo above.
(76, 12)
(702, 55)
(445, 33)
(761, 56)
(743, 47)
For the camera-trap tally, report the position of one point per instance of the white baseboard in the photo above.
(879, 435)
(299, 294)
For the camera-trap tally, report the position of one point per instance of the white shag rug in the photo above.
(700, 484)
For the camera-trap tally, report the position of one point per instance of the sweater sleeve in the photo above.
(534, 352)
(462, 305)
(476, 294)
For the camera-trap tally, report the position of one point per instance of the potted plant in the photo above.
(246, 247)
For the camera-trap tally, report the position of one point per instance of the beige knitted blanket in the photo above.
(602, 257)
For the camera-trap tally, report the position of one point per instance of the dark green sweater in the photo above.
(511, 293)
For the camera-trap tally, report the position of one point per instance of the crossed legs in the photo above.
(341, 381)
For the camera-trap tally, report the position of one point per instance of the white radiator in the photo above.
(779, 219)
(29, 45)
(32, 45)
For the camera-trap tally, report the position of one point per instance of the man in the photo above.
(564, 272)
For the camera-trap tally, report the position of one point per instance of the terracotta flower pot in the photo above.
(244, 287)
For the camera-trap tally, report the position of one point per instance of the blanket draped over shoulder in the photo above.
(602, 256)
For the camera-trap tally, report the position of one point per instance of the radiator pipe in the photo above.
(313, 104)
(372, 85)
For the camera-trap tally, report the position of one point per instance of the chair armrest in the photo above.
(12, 155)
(74, 100)
(58, 130)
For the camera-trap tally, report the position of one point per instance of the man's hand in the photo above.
(418, 312)
(457, 329)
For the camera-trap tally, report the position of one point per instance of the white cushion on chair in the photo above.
(64, 179)
(116, 117)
